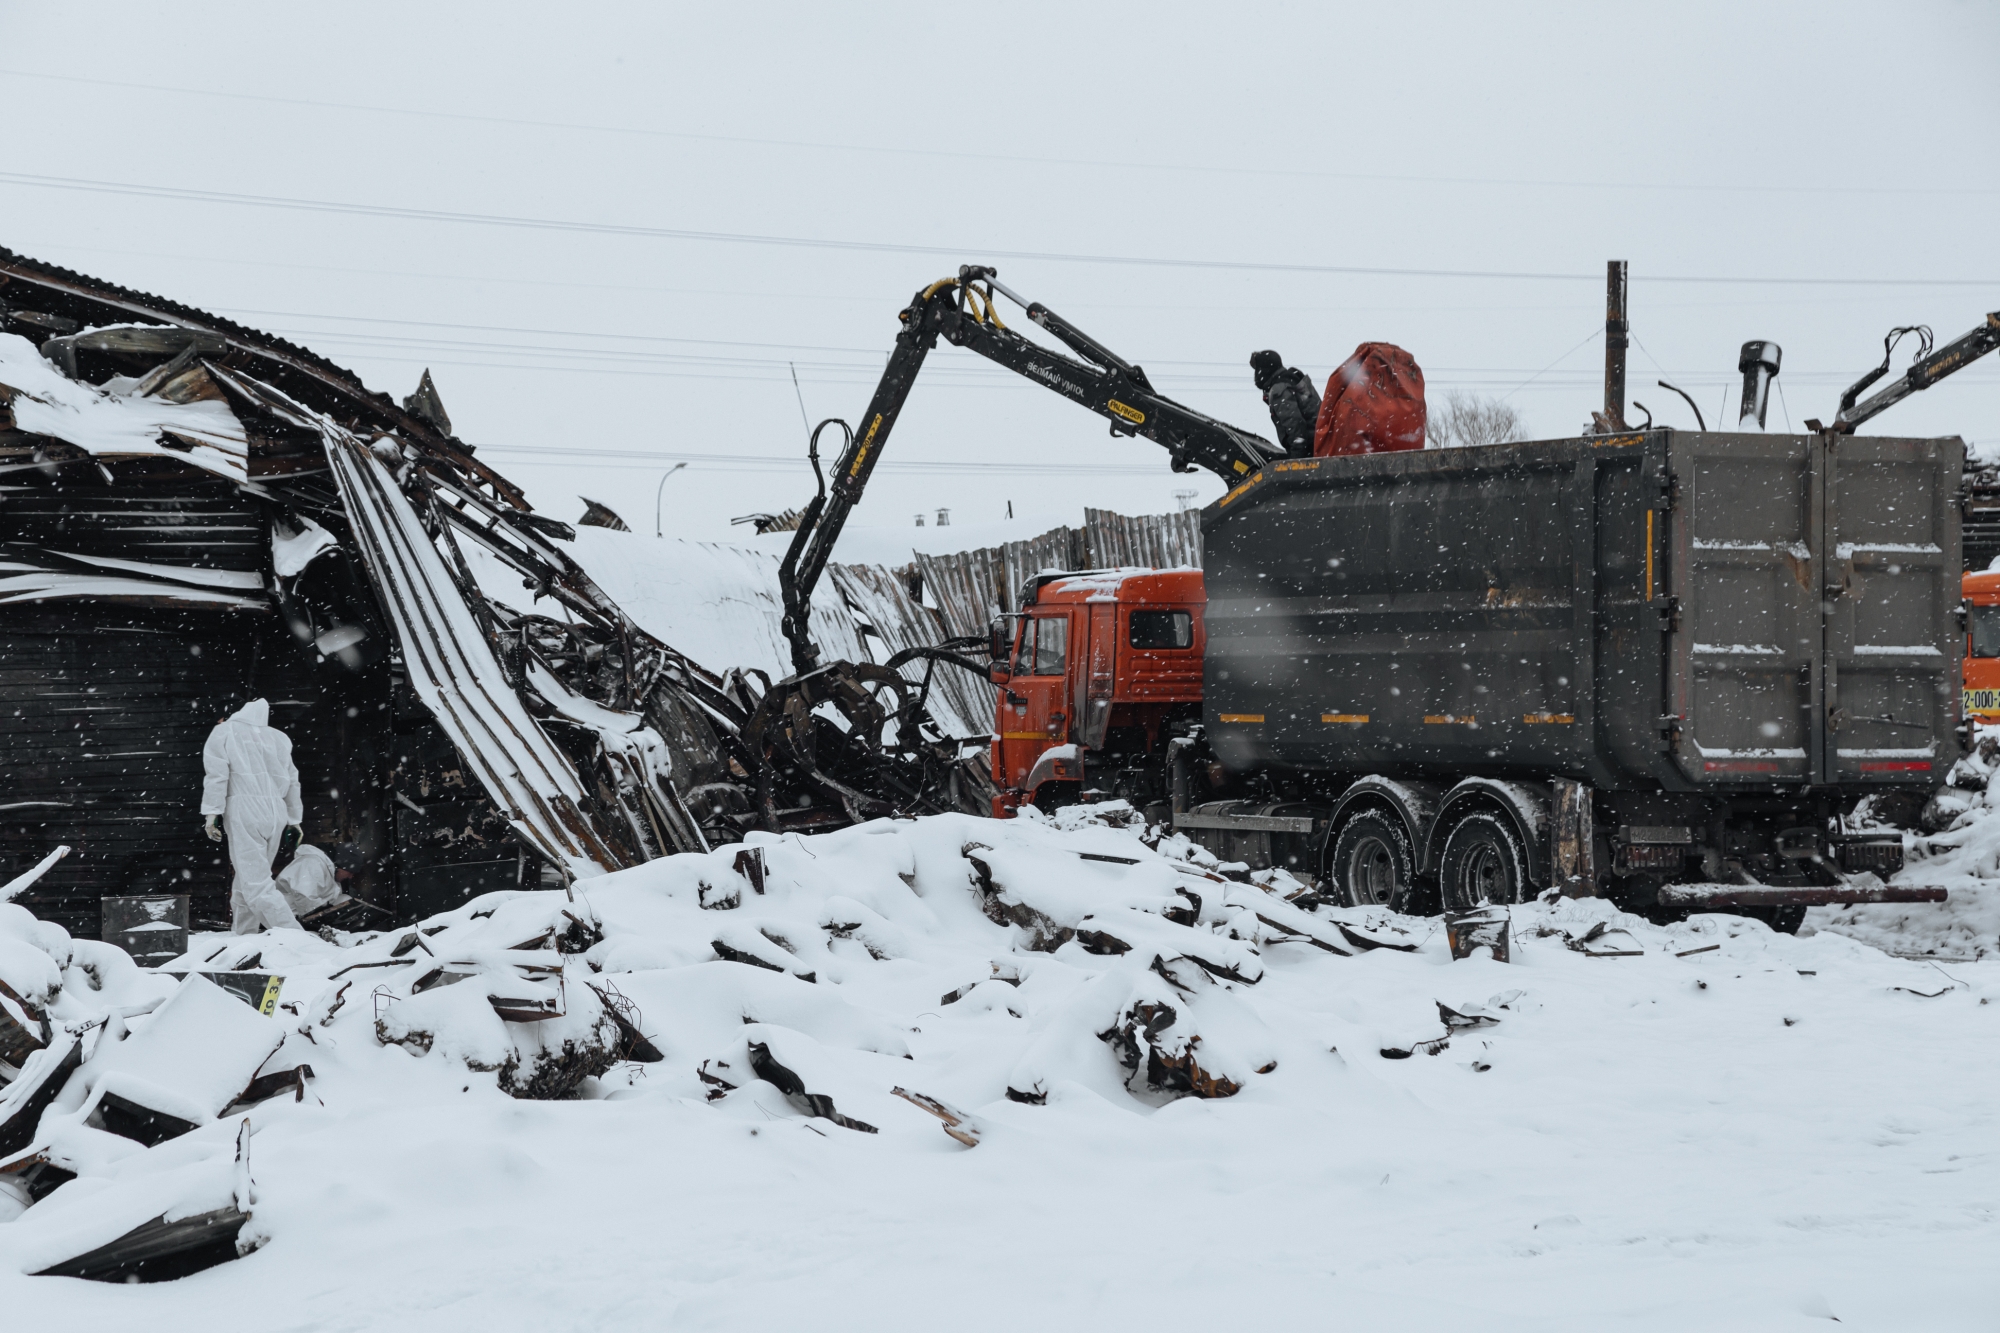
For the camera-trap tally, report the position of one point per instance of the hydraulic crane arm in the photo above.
(1925, 371)
(962, 311)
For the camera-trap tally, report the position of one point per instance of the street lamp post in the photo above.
(660, 490)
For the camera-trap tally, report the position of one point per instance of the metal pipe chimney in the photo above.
(1615, 339)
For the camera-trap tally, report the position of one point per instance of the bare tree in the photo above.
(1467, 419)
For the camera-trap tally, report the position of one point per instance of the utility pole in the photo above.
(1616, 331)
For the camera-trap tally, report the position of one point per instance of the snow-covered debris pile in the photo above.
(102, 1062)
(929, 1056)
(1958, 849)
(787, 975)
(1085, 933)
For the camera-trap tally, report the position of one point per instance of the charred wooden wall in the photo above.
(108, 704)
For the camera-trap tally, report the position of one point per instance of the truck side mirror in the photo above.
(1000, 638)
(997, 672)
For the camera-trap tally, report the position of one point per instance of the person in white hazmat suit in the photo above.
(313, 879)
(249, 782)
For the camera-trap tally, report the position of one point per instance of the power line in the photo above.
(1587, 338)
(651, 459)
(400, 213)
(904, 150)
(1187, 370)
(571, 283)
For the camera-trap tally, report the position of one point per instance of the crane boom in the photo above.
(1925, 371)
(962, 311)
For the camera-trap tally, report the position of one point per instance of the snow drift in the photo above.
(954, 1068)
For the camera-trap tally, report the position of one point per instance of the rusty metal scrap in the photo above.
(956, 1123)
(1144, 1040)
(1482, 928)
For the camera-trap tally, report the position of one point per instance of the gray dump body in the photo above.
(1666, 611)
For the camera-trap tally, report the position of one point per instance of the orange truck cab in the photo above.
(1102, 671)
(1982, 647)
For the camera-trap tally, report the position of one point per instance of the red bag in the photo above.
(1373, 405)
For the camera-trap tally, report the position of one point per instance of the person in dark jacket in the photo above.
(1293, 402)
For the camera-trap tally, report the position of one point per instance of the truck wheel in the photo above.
(1482, 863)
(1372, 863)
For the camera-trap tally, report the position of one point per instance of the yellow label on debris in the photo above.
(1131, 414)
(1242, 466)
(270, 1000)
(1561, 719)
(1242, 717)
(1343, 717)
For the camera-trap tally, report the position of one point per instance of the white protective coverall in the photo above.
(249, 780)
(309, 882)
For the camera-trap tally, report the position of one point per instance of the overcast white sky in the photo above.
(1739, 144)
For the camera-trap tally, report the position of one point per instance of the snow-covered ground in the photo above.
(1733, 1130)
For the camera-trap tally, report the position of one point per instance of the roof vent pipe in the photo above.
(1759, 364)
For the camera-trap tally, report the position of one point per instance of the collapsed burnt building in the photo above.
(194, 513)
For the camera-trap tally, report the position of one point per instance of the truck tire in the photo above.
(1483, 862)
(1371, 863)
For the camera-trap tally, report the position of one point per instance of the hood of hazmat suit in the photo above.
(248, 779)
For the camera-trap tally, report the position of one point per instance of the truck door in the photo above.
(1893, 644)
(1034, 705)
(1099, 675)
(1742, 553)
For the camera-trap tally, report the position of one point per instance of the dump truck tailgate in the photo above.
(1809, 585)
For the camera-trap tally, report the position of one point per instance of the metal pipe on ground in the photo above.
(1766, 895)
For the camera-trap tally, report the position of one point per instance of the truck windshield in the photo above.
(1044, 645)
(1164, 629)
(1986, 631)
